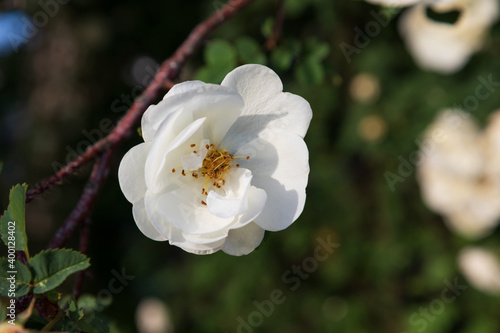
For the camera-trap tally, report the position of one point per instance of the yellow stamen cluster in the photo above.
(214, 167)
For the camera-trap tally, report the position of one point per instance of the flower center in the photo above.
(214, 167)
(216, 164)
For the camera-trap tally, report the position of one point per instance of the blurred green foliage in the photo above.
(395, 255)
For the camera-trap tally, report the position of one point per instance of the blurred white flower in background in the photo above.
(481, 268)
(152, 316)
(459, 172)
(441, 46)
(220, 163)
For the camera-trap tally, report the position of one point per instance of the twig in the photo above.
(278, 26)
(84, 247)
(167, 72)
(86, 203)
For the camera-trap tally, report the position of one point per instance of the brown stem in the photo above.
(86, 203)
(278, 26)
(167, 72)
(84, 247)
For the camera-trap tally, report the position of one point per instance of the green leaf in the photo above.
(214, 73)
(282, 58)
(51, 267)
(309, 72)
(220, 52)
(249, 51)
(267, 27)
(320, 51)
(53, 296)
(69, 304)
(22, 278)
(12, 222)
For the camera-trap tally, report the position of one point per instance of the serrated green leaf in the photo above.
(12, 222)
(22, 278)
(4, 228)
(220, 52)
(51, 267)
(249, 51)
(17, 202)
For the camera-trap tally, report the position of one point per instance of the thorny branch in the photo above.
(87, 201)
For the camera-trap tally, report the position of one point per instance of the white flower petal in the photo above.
(143, 222)
(220, 105)
(256, 202)
(159, 161)
(155, 114)
(281, 169)
(234, 201)
(183, 209)
(206, 238)
(243, 240)
(194, 161)
(184, 87)
(174, 235)
(267, 108)
(131, 172)
(201, 249)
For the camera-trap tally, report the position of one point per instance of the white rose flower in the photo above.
(444, 47)
(459, 173)
(220, 163)
(439, 46)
